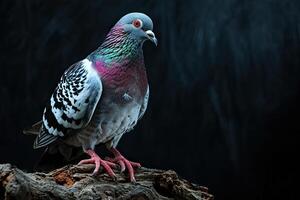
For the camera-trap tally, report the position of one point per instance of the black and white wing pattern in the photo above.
(72, 104)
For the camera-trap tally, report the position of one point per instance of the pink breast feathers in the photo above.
(123, 76)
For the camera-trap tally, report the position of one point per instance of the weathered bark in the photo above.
(76, 182)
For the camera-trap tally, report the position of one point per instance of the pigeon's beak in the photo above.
(151, 37)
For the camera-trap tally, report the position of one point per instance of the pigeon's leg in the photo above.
(95, 159)
(124, 163)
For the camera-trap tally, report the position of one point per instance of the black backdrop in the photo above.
(224, 104)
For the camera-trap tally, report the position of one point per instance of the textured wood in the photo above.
(76, 182)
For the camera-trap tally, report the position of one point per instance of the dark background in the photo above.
(224, 104)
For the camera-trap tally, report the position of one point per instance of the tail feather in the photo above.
(35, 129)
(43, 139)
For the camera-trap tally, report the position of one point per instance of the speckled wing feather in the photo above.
(72, 104)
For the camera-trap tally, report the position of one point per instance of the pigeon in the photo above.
(101, 97)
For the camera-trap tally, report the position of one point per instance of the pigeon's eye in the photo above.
(137, 23)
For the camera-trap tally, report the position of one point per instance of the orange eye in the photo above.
(137, 23)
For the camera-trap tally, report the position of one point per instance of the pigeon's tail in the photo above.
(34, 129)
(57, 154)
(43, 137)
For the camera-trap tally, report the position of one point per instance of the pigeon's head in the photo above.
(137, 26)
(125, 40)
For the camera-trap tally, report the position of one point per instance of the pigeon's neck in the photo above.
(118, 48)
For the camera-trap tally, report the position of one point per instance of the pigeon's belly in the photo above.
(110, 121)
(117, 120)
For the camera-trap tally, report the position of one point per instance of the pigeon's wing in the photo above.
(72, 104)
(145, 104)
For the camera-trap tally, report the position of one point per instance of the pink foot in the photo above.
(95, 159)
(124, 163)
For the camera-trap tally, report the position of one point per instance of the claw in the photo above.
(95, 159)
(132, 179)
(124, 163)
(121, 163)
